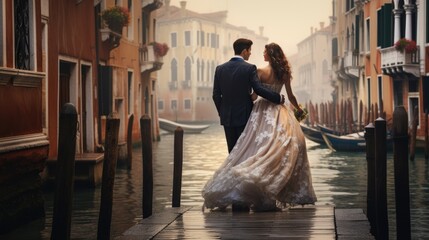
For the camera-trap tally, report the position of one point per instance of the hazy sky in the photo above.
(286, 22)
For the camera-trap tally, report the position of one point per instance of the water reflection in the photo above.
(339, 179)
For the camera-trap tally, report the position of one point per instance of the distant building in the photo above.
(198, 43)
(311, 67)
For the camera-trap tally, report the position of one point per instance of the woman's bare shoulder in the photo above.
(263, 71)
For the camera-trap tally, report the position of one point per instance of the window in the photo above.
(369, 92)
(187, 104)
(145, 25)
(202, 38)
(198, 38)
(213, 40)
(198, 70)
(24, 52)
(187, 69)
(334, 47)
(202, 71)
(174, 105)
(187, 38)
(161, 105)
(1, 34)
(173, 70)
(385, 26)
(367, 30)
(427, 22)
(212, 72)
(130, 92)
(208, 71)
(380, 93)
(173, 39)
(413, 105)
(130, 27)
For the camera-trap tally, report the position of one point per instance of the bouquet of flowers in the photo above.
(300, 116)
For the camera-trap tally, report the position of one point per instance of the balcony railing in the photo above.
(204, 84)
(172, 85)
(395, 62)
(351, 63)
(186, 84)
(149, 61)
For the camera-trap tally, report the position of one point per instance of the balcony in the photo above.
(394, 62)
(172, 85)
(186, 84)
(204, 84)
(110, 36)
(351, 64)
(149, 61)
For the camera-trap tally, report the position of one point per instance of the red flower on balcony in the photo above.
(409, 46)
(160, 49)
(116, 17)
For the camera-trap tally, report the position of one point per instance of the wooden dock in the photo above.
(309, 222)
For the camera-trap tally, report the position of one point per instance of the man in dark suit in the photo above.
(233, 83)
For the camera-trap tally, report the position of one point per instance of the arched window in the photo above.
(187, 69)
(173, 70)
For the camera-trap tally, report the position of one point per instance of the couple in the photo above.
(267, 166)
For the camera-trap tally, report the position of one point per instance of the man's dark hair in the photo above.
(241, 44)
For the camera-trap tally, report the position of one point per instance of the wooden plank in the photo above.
(309, 222)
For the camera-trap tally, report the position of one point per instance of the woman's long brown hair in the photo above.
(278, 62)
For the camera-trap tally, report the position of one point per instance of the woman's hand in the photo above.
(253, 96)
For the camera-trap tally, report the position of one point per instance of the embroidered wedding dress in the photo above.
(268, 165)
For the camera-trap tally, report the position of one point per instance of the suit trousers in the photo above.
(232, 134)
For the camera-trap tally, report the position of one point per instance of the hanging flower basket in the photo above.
(116, 18)
(403, 44)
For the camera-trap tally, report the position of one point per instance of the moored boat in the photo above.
(171, 126)
(352, 142)
(312, 134)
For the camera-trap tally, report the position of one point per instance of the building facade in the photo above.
(311, 67)
(57, 52)
(198, 43)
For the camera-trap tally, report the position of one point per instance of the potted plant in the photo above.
(116, 18)
(403, 44)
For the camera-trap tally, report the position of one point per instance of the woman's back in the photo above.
(267, 77)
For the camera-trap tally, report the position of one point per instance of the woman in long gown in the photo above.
(268, 167)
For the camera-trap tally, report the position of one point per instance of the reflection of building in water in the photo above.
(198, 43)
(311, 67)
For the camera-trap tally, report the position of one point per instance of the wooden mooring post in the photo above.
(146, 135)
(178, 165)
(382, 226)
(426, 135)
(108, 178)
(61, 220)
(370, 159)
(400, 158)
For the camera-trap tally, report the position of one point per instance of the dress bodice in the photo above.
(275, 87)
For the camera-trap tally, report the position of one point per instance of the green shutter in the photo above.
(388, 25)
(379, 27)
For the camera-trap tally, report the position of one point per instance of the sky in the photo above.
(285, 22)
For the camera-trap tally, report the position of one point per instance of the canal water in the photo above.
(339, 180)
